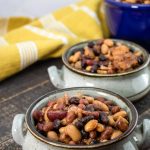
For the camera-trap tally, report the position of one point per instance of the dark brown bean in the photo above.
(106, 135)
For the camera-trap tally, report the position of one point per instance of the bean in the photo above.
(86, 119)
(37, 115)
(106, 134)
(78, 65)
(89, 99)
(116, 133)
(52, 135)
(118, 114)
(62, 130)
(91, 125)
(104, 49)
(91, 44)
(74, 100)
(100, 127)
(109, 42)
(52, 115)
(79, 124)
(75, 57)
(122, 124)
(73, 133)
(111, 121)
(101, 105)
(88, 53)
(89, 107)
(103, 118)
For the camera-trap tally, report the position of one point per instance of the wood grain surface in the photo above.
(19, 91)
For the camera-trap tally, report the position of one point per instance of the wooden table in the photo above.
(19, 91)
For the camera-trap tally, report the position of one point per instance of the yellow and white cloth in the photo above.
(24, 41)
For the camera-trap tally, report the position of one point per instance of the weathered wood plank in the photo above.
(29, 77)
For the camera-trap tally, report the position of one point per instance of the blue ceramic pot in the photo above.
(129, 21)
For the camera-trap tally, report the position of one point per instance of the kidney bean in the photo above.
(106, 135)
(37, 115)
(122, 124)
(53, 115)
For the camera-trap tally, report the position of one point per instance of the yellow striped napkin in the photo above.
(25, 41)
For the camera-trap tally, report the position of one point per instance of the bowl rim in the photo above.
(38, 136)
(143, 66)
(128, 5)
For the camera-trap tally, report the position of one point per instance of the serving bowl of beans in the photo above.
(129, 20)
(79, 118)
(116, 65)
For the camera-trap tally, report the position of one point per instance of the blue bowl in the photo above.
(129, 21)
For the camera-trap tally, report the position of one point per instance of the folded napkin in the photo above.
(26, 41)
